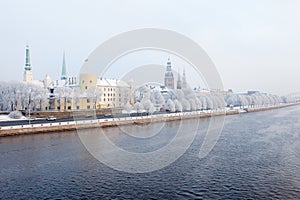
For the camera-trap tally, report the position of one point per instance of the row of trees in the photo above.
(20, 95)
(256, 100)
(253, 100)
(150, 100)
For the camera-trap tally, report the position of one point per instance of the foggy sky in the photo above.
(255, 45)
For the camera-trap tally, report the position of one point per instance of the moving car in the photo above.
(51, 118)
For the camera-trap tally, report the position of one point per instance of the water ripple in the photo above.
(256, 157)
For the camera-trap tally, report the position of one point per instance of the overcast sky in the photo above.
(255, 45)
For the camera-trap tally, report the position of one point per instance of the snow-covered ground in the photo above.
(7, 118)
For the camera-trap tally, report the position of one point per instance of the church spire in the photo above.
(184, 83)
(169, 68)
(63, 69)
(27, 72)
(179, 84)
(27, 59)
(169, 78)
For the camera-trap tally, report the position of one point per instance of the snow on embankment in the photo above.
(96, 123)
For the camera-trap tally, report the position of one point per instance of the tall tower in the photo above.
(63, 69)
(179, 85)
(184, 83)
(169, 78)
(27, 72)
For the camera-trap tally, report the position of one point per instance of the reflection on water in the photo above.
(257, 156)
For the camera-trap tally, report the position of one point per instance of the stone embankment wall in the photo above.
(61, 114)
(93, 123)
(270, 108)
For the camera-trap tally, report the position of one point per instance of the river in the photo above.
(257, 156)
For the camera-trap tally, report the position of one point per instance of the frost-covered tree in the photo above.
(209, 102)
(198, 104)
(243, 101)
(185, 105)
(171, 105)
(127, 107)
(178, 106)
(249, 100)
(93, 94)
(179, 95)
(192, 104)
(203, 102)
(142, 92)
(288, 99)
(231, 99)
(218, 101)
(157, 99)
(64, 94)
(20, 95)
(41, 99)
(148, 105)
(138, 107)
(76, 94)
(189, 93)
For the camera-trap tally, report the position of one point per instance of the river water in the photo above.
(256, 157)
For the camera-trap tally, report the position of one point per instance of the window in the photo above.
(58, 107)
(104, 89)
(69, 107)
(104, 94)
(88, 100)
(77, 107)
(82, 81)
(88, 107)
(91, 81)
(86, 87)
(104, 99)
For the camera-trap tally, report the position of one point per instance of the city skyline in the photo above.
(253, 45)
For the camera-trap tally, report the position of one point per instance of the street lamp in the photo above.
(29, 116)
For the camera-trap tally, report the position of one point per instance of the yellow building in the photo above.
(92, 93)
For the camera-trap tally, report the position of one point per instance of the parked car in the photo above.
(51, 118)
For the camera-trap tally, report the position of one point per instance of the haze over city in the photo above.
(255, 45)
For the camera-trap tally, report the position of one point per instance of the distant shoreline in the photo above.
(96, 123)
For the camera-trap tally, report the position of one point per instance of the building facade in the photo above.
(92, 93)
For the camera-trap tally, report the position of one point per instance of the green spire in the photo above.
(27, 62)
(64, 69)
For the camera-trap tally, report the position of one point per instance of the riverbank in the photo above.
(96, 123)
